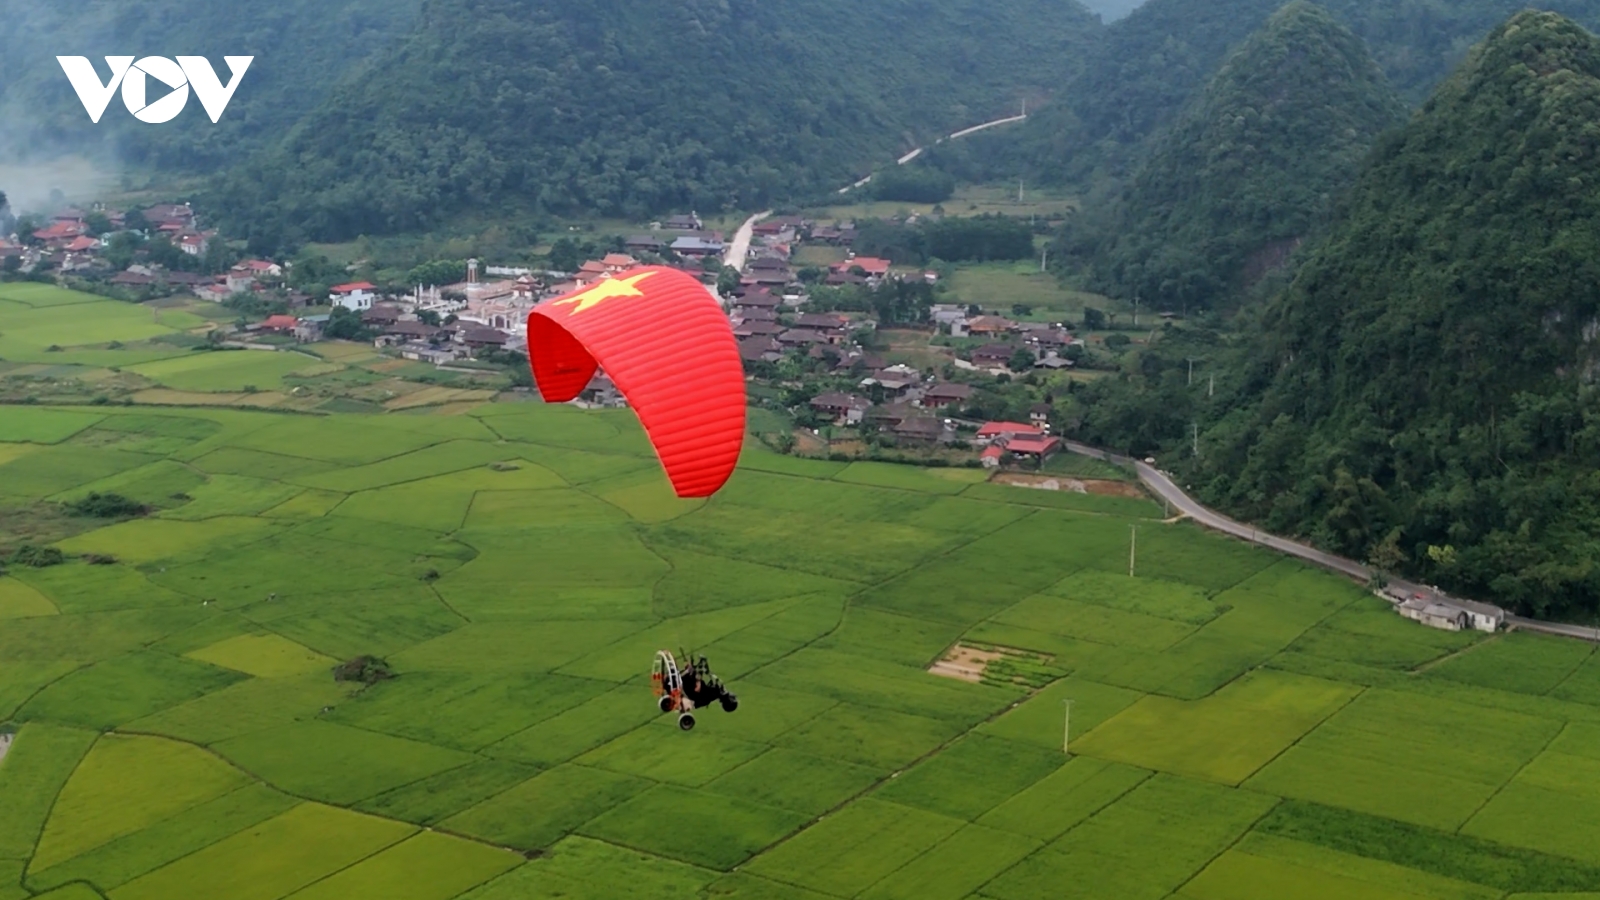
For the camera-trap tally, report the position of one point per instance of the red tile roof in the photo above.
(995, 429)
(280, 322)
(352, 287)
(869, 264)
(1033, 445)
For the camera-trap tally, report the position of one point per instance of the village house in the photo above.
(279, 324)
(309, 328)
(194, 244)
(757, 300)
(690, 222)
(381, 314)
(993, 356)
(1039, 415)
(1447, 613)
(760, 348)
(888, 416)
(945, 394)
(988, 326)
(990, 432)
(1037, 449)
(830, 325)
(409, 331)
(802, 337)
(758, 328)
(180, 214)
(754, 314)
(844, 409)
(893, 384)
(871, 265)
(1052, 360)
(925, 430)
(429, 353)
(617, 262)
(601, 391)
(768, 263)
(696, 247)
(643, 243)
(355, 296)
(479, 337)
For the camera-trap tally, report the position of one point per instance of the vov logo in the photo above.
(133, 78)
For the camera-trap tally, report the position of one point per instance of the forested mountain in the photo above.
(1154, 62)
(301, 48)
(1245, 173)
(1424, 393)
(627, 108)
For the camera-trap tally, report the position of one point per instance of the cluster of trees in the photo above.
(911, 183)
(892, 301)
(1422, 394)
(1244, 175)
(982, 238)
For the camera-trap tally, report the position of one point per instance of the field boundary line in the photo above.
(1231, 844)
(843, 617)
(1148, 774)
(1427, 665)
(1362, 690)
(844, 613)
(1503, 785)
(305, 799)
(1573, 673)
(433, 587)
(56, 798)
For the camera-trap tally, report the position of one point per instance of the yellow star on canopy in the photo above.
(604, 290)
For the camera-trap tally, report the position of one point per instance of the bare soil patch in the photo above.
(1067, 483)
(965, 663)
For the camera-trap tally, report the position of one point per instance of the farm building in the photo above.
(1449, 614)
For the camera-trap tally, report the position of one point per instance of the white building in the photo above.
(357, 295)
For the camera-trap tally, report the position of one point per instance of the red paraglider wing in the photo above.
(666, 343)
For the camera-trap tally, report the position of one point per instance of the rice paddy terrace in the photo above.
(1242, 726)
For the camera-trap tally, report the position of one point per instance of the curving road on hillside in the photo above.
(1163, 486)
(739, 250)
(908, 157)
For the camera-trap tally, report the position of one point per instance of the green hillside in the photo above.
(301, 49)
(1423, 393)
(1245, 173)
(1148, 66)
(626, 108)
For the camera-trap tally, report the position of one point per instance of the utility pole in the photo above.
(1133, 539)
(1190, 382)
(1195, 426)
(1066, 732)
(1211, 388)
(1136, 310)
(1019, 190)
(1044, 257)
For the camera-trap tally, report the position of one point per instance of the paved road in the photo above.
(1162, 486)
(908, 157)
(735, 253)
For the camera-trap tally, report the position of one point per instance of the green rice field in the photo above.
(1242, 726)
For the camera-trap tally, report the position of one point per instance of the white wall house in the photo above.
(355, 296)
